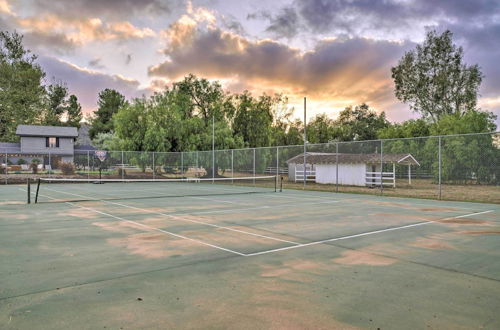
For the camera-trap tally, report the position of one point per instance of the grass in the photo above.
(420, 188)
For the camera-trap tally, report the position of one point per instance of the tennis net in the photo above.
(75, 190)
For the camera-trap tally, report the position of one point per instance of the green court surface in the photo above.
(104, 256)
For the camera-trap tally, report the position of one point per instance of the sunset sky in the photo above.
(337, 53)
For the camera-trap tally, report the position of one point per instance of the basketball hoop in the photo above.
(101, 155)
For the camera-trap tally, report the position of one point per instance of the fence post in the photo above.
(6, 168)
(182, 164)
(154, 169)
(88, 165)
(254, 166)
(277, 162)
(232, 166)
(123, 166)
(50, 164)
(337, 167)
(439, 165)
(381, 167)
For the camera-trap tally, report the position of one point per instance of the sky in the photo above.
(337, 53)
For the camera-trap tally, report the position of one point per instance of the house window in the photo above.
(52, 142)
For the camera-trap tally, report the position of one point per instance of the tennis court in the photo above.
(243, 255)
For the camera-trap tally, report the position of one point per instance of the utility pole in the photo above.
(305, 142)
(213, 147)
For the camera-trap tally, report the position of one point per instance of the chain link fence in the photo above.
(453, 167)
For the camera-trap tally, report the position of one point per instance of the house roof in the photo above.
(56, 131)
(10, 147)
(331, 158)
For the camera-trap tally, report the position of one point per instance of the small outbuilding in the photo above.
(349, 169)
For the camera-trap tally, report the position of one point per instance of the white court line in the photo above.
(179, 218)
(152, 228)
(363, 234)
(468, 215)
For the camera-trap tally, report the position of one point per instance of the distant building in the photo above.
(48, 144)
(349, 169)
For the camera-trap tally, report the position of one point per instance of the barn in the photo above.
(349, 169)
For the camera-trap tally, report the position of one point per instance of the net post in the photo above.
(439, 165)
(275, 183)
(37, 190)
(281, 183)
(381, 167)
(28, 189)
(337, 167)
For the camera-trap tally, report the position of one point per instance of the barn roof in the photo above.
(331, 158)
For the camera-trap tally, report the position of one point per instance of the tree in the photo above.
(109, 102)
(56, 104)
(253, 119)
(74, 112)
(321, 129)
(21, 88)
(204, 99)
(433, 79)
(358, 123)
(407, 129)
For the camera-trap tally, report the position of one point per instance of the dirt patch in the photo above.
(80, 213)
(119, 226)
(464, 221)
(154, 245)
(432, 244)
(480, 232)
(293, 268)
(354, 257)
(438, 209)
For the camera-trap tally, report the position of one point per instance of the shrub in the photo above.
(21, 161)
(67, 168)
(34, 165)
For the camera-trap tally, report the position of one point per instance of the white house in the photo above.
(349, 169)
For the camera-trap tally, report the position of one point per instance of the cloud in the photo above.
(110, 8)
(219, 53)
(86, 84)
(82, 31)
(285, 24)
(5, 7)
(344, 69)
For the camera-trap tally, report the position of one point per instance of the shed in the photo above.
(350, 169)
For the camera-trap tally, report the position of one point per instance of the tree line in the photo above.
(25, 95)
(432, 79)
